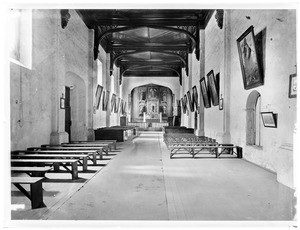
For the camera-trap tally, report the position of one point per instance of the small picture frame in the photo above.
(205, 93)
(269, 119)
(221, 104)
(293, 86)
(212, 87)
(62, 103)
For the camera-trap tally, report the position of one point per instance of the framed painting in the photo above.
(98, 96)
(106, 99)
(293, 86)
(251, 69)
(124, 108)
(212, 87)
(191, 101)
(204, 93)
(195, 96)
(113, 102)
(183, 105)
(117, 105)
(121, 107)
(269, 119)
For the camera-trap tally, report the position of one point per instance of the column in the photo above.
(58, 134)
(200, 124)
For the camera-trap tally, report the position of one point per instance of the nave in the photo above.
(141, 182)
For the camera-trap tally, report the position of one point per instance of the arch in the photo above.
(78, 104)
(107, 32)
(251, 117)
(136, 52)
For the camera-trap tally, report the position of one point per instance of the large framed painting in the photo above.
(195, 96)
(205, 93)
(251, 69)
(106, 100)
(212, 87)
(191, 101)
(183, 105)
(113, 102)
(98, 96)
(117, 105)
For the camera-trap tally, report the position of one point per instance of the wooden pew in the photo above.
(106, 147)
(110, 142)
(39, 155)
(91, 153)
(193, 149)
(36, 189)
(52, 162)
(32, 171)
(60, 147)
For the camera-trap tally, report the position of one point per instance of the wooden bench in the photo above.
(231, 149)
(193, 149)
(38, 150)
(59, 147)
(110, 142)
(39, 155)
(32, 171)
(106, 147)
(52, 162)
(36, 189)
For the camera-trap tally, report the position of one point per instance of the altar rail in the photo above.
(155, 126)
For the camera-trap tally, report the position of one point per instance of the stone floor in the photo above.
(140, 182)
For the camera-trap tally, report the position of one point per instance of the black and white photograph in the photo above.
(209, 138)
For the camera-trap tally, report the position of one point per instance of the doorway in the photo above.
(68, 121)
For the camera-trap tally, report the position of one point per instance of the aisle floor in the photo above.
(141, 182)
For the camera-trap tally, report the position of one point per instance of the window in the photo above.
(20, 42)
(253, 120)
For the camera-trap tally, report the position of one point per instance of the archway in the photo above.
(78, 101)
(252, 118)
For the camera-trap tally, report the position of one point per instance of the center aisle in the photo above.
(130, 187)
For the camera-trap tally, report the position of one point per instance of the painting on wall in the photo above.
(212, 87)
(106, 99)
(124, 108)
(205, 93)
(98, 96)
(293, 86)
(195, 96)
(251, 69)
(269, 119)
(191, 101)
(113, 102)
(117, 105)
(183, 105)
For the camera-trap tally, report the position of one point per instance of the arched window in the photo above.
(253, 119)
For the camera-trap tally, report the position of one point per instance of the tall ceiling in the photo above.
(147, 43)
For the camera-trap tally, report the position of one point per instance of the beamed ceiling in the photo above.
(147, 43)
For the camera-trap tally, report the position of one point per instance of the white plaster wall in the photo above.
(213, 58)
(280, 61)
(30, 89)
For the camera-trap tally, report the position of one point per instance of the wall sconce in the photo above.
(62, 102)
(221, 103)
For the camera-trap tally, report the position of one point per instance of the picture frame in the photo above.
(117, 106)
(106, 99)
(183, 103)
(195, 96)
(113, 102)
(103, 101)
(62, 103)
(191, 101)
(293, 86)
(269, 119)
(250, 66)
(212, 87)
(204, 93)
(98, 96)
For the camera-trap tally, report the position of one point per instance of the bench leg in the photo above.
(84, 164)
(56, 166)
(74, 170)
(115, 144)
(100, 153)
(36, 190)
(94, 158)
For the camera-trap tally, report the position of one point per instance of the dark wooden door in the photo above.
(68, 121)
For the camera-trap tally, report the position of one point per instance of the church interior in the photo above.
(152, 114)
